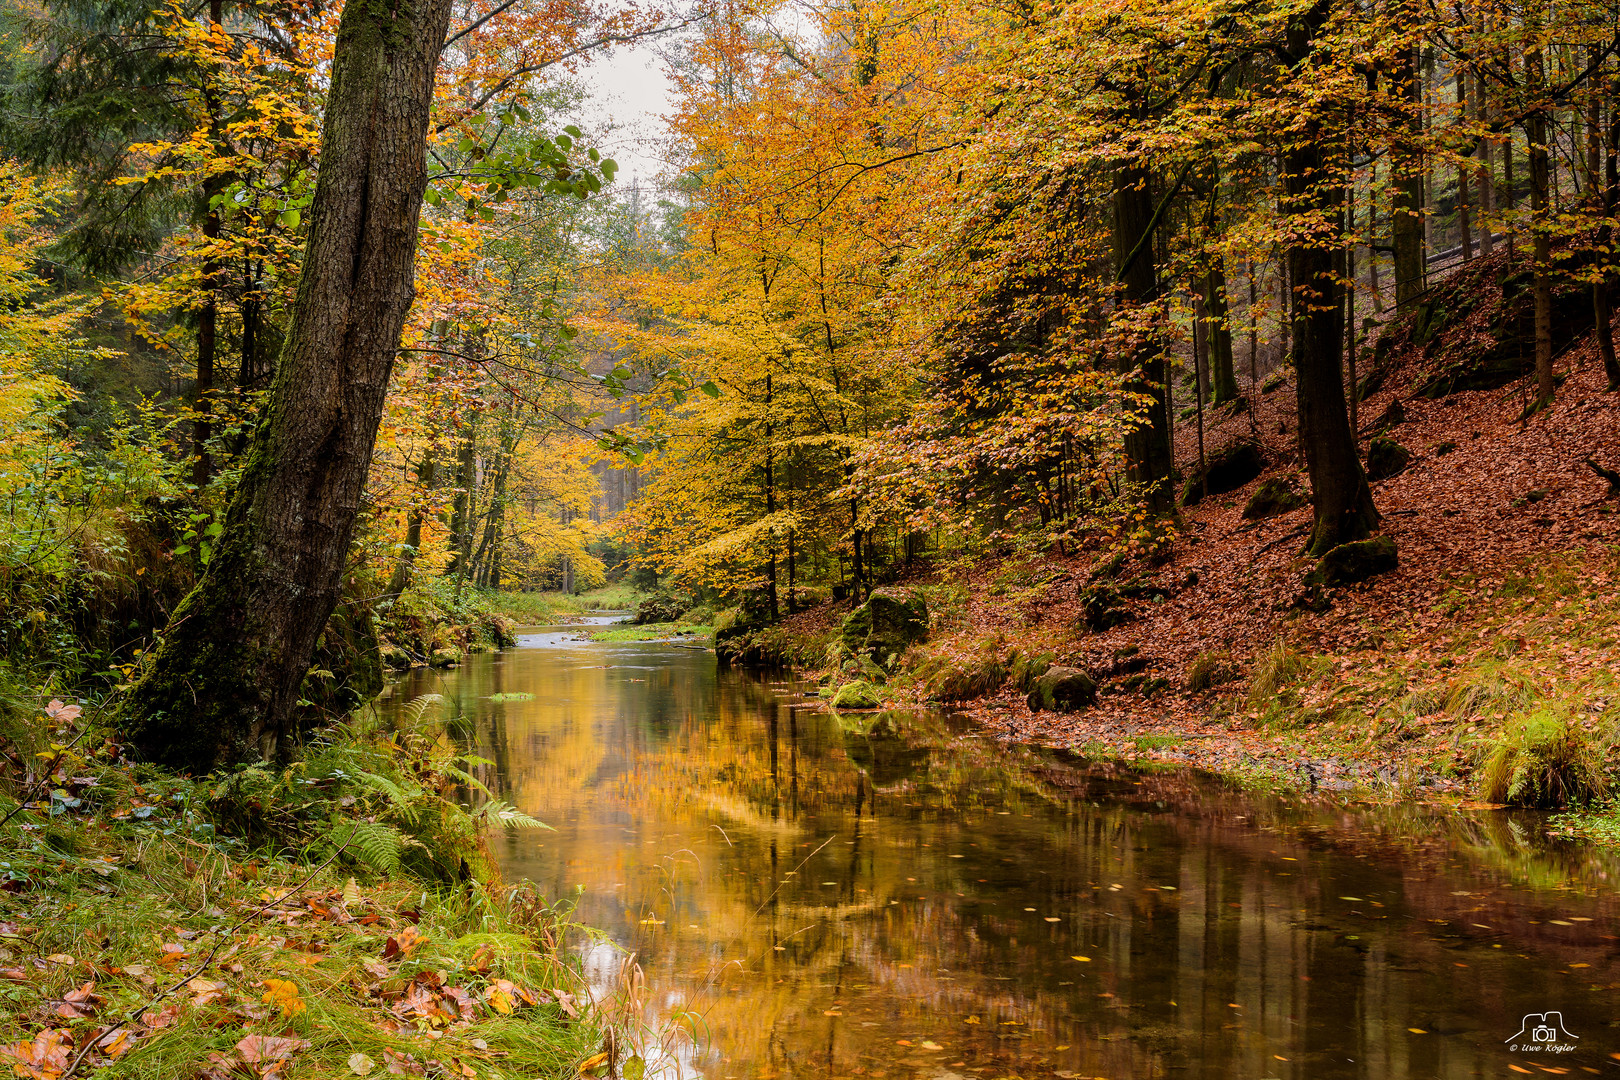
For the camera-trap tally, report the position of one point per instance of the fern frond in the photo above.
(507, 816)
(370, 842)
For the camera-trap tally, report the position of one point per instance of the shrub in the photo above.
(1543, 761)
(1211, 669)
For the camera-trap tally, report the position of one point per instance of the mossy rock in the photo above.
(885, 625)
(1275, 495)
(1228, 469)
(856, 695)
(394, 657)
(444, 658)
(1386, 458)
(1358, 561)
(1062, 689)
(1102, 607)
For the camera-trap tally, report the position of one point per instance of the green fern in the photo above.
(507, 816)
(370, 842)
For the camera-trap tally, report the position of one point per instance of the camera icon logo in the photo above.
(1541, 1031)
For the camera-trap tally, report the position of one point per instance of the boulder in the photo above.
(1395, 414)
(1386, 458)
(394, 657)
(1358, 560)
(1102, 606)
(444, 658)
(1062, 689)
(856, 695)
(1226, 470)
(1275, 495)
(885, 625)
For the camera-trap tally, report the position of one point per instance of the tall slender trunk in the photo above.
(400, 580)
(1535, 133)
(461, 509)
(1350, 337)
(1343, 502)
(1464, 221)
(1603, 289)
(1406, 217)
(225, 680)
(770, 503)
(1485, 171)
(1221, 365)
(1147, 442)
(208, 318)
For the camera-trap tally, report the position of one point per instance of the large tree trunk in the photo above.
(225, 681)
(1147, 443)
(1343, 502)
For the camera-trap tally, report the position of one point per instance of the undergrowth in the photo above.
(340, 916)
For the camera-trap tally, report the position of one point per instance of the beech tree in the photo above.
(225, 679)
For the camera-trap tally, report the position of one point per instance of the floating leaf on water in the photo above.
(1082, 959)
(1417, 1031)
(1354, 899)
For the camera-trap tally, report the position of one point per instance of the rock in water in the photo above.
(1062, 689)
(856, 695)
(1358, 560)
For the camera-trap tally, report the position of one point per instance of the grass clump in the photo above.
(1211, 669)
(1543, 761)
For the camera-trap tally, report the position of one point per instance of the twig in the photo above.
(1608, 474)
(135, 1016)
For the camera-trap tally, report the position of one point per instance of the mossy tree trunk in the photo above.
(1406, 216)
(1315, 198)
(225, 680)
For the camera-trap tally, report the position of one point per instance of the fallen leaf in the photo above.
(592, 1063)
(360, 1064)
(256, 1049)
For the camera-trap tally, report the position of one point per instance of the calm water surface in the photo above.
(918, 903)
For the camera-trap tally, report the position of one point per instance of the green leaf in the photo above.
(572, 130)
(633, 1069)
(289, 219)
(432, 197)
(710, 389)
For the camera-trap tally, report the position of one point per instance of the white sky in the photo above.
(630, 90)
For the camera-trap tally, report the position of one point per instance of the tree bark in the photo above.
(1147, 442)
(1535, 133)
(1221, 365)
(400, 580)
(225, 681)
(1342, 499)
(1406, 217)
(1603, 288)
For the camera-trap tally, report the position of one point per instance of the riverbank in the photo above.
(336, 918)
(1481, 667)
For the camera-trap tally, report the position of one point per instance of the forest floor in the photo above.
(138, 940)
(1502, 611)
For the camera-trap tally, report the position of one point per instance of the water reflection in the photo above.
(842, 899)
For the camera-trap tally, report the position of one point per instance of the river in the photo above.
(816, 896)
